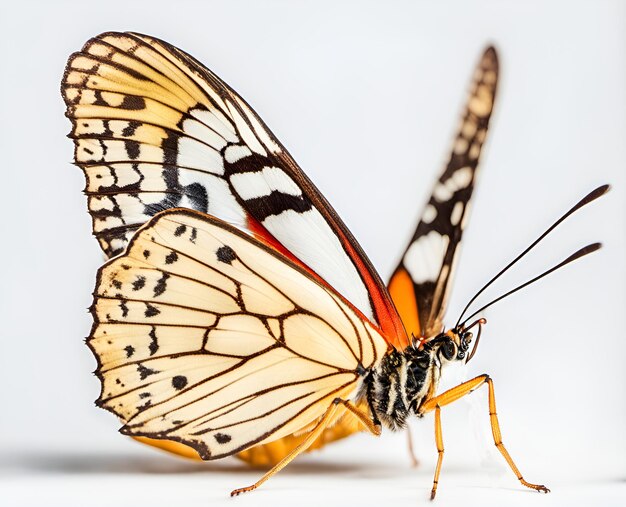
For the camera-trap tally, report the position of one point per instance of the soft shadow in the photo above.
(116, 464)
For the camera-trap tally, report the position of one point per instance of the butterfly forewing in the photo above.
(155, 129)
(206, 336)
(421, 282)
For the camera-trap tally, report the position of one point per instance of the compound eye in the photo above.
(448, 349)
(466, 339)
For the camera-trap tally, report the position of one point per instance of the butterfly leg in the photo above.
(322, 424)
(371, 426)
(451, 396)
(409, 442)
(439, 443)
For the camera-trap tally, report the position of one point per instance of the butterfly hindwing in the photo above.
(421, 282)
(155, 129)
(206, 336)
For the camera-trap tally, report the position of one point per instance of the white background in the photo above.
(365, 95)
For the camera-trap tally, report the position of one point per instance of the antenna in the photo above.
(591, 196)
(576, 255)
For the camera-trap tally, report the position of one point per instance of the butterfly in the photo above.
(111, 206)
(237, 311)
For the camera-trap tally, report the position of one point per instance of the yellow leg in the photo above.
(439, 442)
(311, 437)
(451, 396)
(374, 429)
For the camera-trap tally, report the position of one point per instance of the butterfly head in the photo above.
(463, 337)
(453, 345)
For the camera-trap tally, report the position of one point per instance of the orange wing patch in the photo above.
(170, 446)
(403, 294)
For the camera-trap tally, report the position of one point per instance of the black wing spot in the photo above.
(131, 128)
(198, 196)
(154, 344)
(141, 408)
(139, 283)
(144, 395)
(124, 308)
(145, 372)
(151, 311)
(99, 100)
(133, 103)
(276, 203)
(132, 149)
(117, 284)
(161, 285)
(146, 254)
(180, 230)
(171, 257)
(226, 254)
(130, 350)
(222, 438)
(169, 145)
(179, 382)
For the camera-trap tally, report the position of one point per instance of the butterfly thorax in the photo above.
(405, 379)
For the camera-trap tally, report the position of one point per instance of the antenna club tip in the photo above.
(586, 250)
(600, 191)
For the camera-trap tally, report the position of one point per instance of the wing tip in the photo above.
(490, 57)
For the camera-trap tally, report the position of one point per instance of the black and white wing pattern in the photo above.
(206, 336)
(420, 283)
(155, 129)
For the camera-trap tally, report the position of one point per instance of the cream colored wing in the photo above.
(205, 336)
